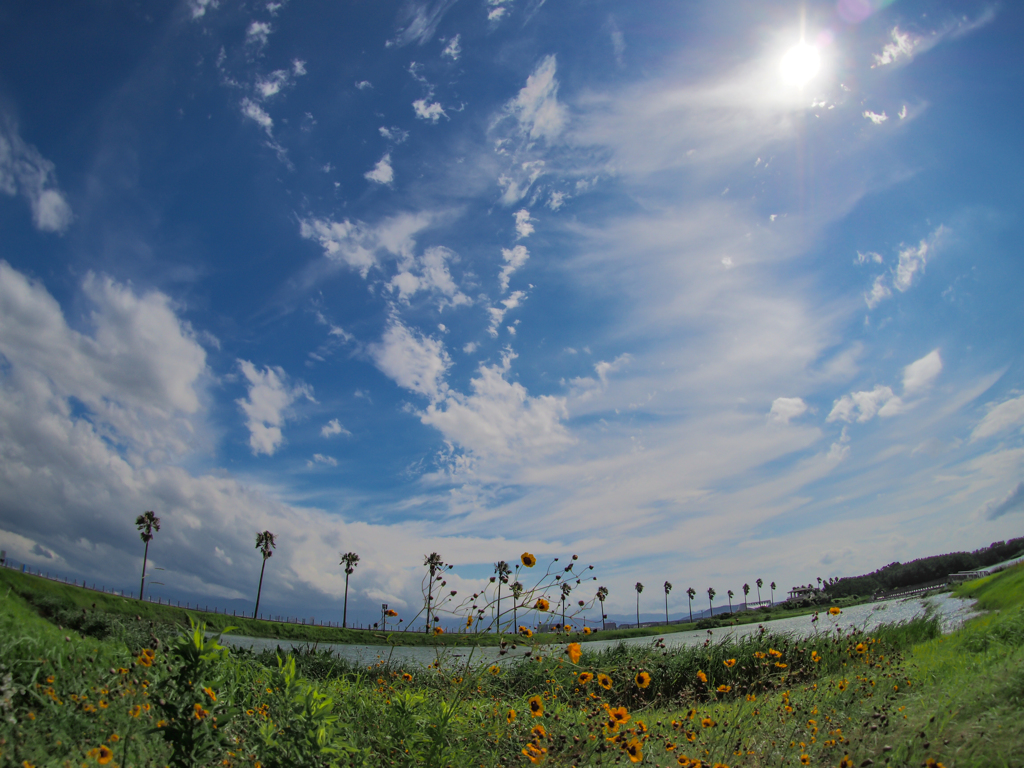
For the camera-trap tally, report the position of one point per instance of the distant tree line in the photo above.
(900, 575)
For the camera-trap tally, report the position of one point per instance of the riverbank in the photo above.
(39, 592)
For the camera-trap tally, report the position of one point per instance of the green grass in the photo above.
(998, 591)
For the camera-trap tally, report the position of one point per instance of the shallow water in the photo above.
(952, 613)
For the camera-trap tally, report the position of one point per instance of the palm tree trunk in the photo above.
(256, 613)
(602, 615)
(499, 607)
(638, 610)
(712, 607)
(344, 610)
(145, 557)
(666, 609)
(689, 602)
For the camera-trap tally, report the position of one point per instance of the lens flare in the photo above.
(800, 64)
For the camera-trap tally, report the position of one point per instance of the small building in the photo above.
(808, 592)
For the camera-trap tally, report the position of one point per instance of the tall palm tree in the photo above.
(264, 542)
(146, 523)
(746, 591)
(711, 596)
(690, 594)
(730, 601)
(668, 588)
(602, 593)
(503, 570)
(639, 588)
(349, 560)
(772, 586)
(760, 583)
(433, 562)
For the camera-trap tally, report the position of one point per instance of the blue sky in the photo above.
(495, 276)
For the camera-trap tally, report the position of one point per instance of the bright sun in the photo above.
(800, 64)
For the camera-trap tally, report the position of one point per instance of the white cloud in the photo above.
(199, 7)
(840, 449)
(271, 85)
(500, 419)
(524, 224)
(24, 170)
(431, 112)
(912, 260)
(536, 106)
(418, 21)
(394, 134)
(382, 172)
(470, 347)
(298, 67)
(784, 409)
(515, 258)
(258, 33)
(870, 256)
(996, 508)
(255, 112)
(920, 374)
(879, 292)
(875, 118)
(413, 361)
(319, 458)
(270, 393)
(333, 427)
(863, 406)
(362, 85)
(498, 313)
(556, 201)
(453, 50)
(518, 184)
(1008, 414)
(429, 272)
(358, 245)
(901, 47)
(498, 9)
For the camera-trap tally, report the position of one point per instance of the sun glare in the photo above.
(800, 64)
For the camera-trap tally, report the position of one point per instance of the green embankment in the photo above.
(36, 590)
(902, 696)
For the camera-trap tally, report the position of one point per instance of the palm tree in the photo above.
(433, 562)
(711, 596)
(746, 591)
(760, 583)
(264, 542)
(690, 594)
(349, 560)
(503, 570)
(602, 593)
(730, 601)
(668, 588)
(639, 588)
(146, 523)
(772, 587)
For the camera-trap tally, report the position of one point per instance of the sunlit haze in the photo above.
(651, 283)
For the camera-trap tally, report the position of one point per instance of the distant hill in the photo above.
(898, 575)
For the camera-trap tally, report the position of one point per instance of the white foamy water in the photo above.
(951, 611)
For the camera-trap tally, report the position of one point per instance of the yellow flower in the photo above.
(724, 688)
(815, 657)
(27, 764)
(199, 712)
(780, 665)
(635, 751)
(846, 762)
(774, 654)
(707, 722)
(730, 663)
(642, 679)
(670, 747)
(105, 755)
(541, 604)
(618, 715)
(758, 654)
(525, 632)
(585, 677)
(751, 697)
(534, 752)
(574, 651)
(861, 648)
(538, 731)
(702, 677)
(103, 704)
(135, 711)
(209, 692)
(161, 723)
(528, 560)
(604, 681)
(510, 716)
(834, 611)
(684, 761)
(536, 706)
(805, 759)
(586, 630)
(493, 669)
(407, 677)
(438, 631)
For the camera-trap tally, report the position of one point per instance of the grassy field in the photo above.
(43, 592)
(902, 696)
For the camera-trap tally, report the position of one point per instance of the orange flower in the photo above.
(199, 712)
(135, 711)
(541, 604)
(574, 651)
(585, 677)
(534, 752)
(438, 631)
(635, 751)
(834, 611)
(528, 560)
(702, 677)
(407, 677)
(105, 755)
(586, 630)
(815, 657)
(707, 722)
(724, 688)
(604, 681)
(774, 654)
(536, 706)
(538, 731)
(618, 715)
(510, 716)
(780, 665)
(642, 679)
(525, 632)
(209, 692)
(494, 669)
(805, 759)
(846, 762)
(730, 663)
